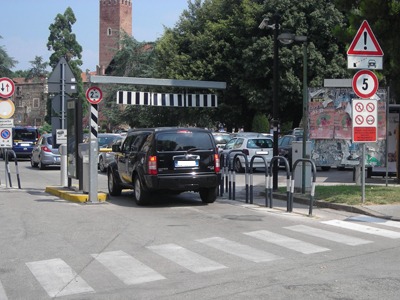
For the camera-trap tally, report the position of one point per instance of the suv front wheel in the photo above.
(113, 186)
(208, 195)
(141, 196)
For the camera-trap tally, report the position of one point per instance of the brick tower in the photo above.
(115, 17)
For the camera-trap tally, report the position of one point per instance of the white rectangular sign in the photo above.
(61, 136)
(6, 123)
(365, 62)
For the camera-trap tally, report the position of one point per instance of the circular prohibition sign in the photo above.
(94, 95)
(5, 134)
(365, 84)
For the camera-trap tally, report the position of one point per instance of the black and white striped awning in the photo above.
(165, 99)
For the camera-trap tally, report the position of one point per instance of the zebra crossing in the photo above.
(58, 278)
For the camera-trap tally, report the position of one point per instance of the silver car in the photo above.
(250, 146)
(43, 153)
(106, 140)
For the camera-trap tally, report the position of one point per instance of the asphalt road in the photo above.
(179, 248)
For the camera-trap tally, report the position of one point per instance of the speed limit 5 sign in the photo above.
(365, 84)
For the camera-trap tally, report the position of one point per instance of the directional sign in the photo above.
(62, 76)
(365, 43)
(7, 87)
(7, 109)
(365, 113)
(94, 95)
(365, 84)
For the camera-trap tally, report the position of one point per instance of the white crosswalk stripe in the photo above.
(57, 278)
(328, 235)
(374, 220)
(364, 228)
(239, 250)
(186, 258)
(128, 269)
(287, 242)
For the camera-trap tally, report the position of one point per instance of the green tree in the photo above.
(62, 41)
(38, 70)
(260, 123)
(220, 40)
(6, 62)
(384, 18)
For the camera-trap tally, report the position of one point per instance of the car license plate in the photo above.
(262, 152)
(186, 163)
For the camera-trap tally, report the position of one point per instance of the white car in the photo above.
(250, 146)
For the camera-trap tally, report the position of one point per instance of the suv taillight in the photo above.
(217, 165)
(245, 151)
(152, 163)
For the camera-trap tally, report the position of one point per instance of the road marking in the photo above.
(375, 220)
(128, 269)
(239, 250)
(57, 278)
(3, 295)
(363, 228)
(329, 235)
(287, 242)
(186, 258)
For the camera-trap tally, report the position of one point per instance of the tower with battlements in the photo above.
(115, 18)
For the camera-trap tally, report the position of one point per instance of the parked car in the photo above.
(24, 138)
(167, 160)
(221, 138)
(106, 157)
(250, 145)
(43, 154)
(105, 141)
(285, 148)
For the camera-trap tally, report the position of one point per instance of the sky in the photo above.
(24, 26)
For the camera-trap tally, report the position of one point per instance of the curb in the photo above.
(73, 196)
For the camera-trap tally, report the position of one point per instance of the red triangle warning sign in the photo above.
(365, 43)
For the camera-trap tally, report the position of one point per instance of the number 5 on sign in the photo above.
(365, 84)
(94, 95)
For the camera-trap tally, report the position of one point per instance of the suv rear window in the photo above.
(25, 134)
(183, 141)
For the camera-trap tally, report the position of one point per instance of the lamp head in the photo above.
(263, 24)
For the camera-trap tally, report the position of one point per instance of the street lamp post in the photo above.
(288, 38)
(275, 103)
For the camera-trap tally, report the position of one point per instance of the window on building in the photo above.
(109, 31)
(36, 102)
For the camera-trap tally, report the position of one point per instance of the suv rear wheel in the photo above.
(141, 196)
(209, 195)
(113, 186)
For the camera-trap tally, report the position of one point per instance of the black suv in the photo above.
(169, 159)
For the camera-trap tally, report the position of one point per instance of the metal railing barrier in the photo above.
(268, 200)
(314, 176)
(251, 176)
(228, 181)
(7, 153)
